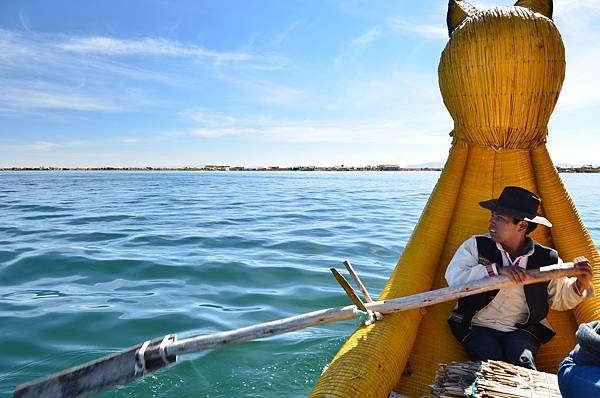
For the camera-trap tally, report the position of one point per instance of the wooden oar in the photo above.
(371, 316)
(348, 289)
(361, 286)
(142, 359)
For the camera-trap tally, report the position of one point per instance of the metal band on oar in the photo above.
(123, 367)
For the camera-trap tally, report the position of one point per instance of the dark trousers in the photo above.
(518, 347)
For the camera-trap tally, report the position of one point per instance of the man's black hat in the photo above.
(518, 203)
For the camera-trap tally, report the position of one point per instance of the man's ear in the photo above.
(523, 225)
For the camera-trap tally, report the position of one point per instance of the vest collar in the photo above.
(529, 246)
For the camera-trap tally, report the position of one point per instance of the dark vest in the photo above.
(536, 294)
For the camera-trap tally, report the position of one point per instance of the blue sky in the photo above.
(253, 83)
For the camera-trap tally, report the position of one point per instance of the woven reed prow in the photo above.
(501, 74)
(492, 379)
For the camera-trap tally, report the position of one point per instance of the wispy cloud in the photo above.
(427, 31)
(35, 146)
(39, 95)
(393, 132)
(207, 118)
(367, 37)
(263, 91)
(280, 38)
(38, 76)
(41, 146)
(107, 74)
(48, 146)
(313, 131)
(400, 26)
(144, 46)
(390, 26)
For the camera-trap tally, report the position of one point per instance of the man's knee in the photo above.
(482, 344)
(520, 348)
(521, 356)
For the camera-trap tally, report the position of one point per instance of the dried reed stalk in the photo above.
(492, 379)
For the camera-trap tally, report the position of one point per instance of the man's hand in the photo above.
(516, 274)
(584, 280)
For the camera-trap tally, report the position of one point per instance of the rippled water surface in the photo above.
(94, 262)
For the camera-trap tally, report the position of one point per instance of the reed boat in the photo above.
(500, 76)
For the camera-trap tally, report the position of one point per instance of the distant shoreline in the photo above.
(581, 169)
(225, 168)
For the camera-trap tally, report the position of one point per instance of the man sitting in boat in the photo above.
(510, 324)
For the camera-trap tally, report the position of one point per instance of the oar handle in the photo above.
(99, 375)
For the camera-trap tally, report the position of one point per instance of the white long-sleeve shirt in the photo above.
(509, 307)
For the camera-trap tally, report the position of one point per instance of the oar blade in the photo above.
(348, 289)
(95, 376)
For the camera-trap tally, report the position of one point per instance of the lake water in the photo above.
(94, 262)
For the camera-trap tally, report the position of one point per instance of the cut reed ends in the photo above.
(492, 379)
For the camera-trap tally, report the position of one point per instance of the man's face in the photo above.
(503, 229)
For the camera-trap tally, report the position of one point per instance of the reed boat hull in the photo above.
(500, 99)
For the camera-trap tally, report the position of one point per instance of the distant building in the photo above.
(213, 167)
(388, 167)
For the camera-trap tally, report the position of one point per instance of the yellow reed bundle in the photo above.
(570, 235)
(500, 76)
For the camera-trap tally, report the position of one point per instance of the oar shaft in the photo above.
(261, 330)
(483, 285)
(425, 299)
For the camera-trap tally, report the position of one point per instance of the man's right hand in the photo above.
(584, 280)
(516, 274)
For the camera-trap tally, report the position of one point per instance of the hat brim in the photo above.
(495, 206)
(539, 220)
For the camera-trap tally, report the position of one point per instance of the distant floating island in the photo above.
(383, 167)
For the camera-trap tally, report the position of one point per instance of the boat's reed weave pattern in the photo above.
(501, 93)
(500, 76)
